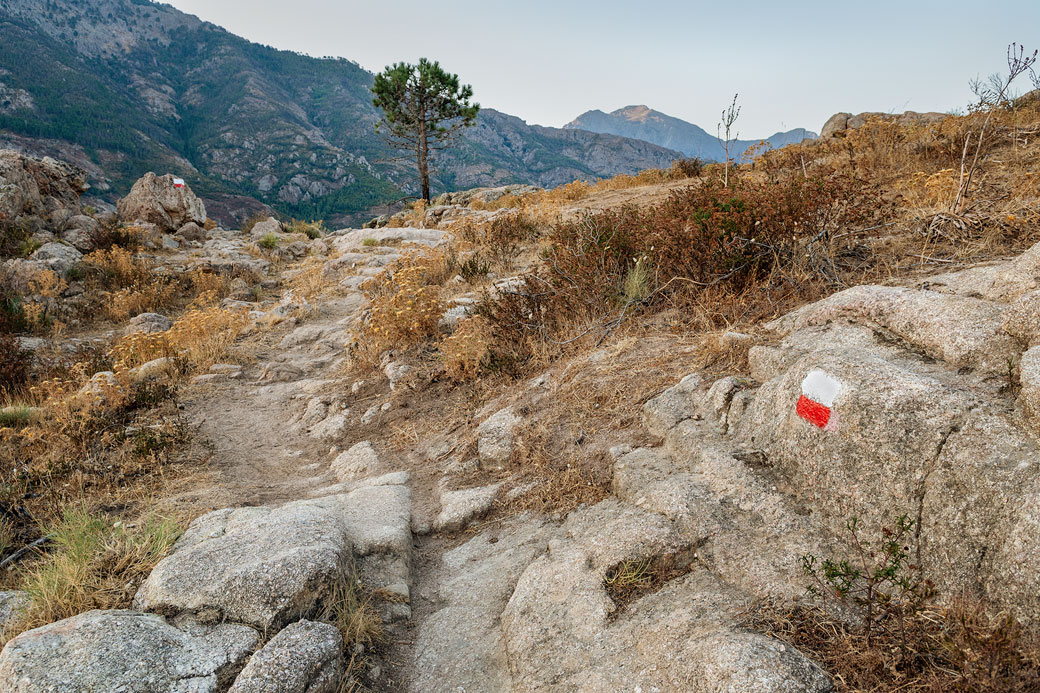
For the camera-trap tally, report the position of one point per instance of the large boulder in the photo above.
(305, 657)
(123, 651)
(261, 566)
(157, 200)
(149, 323)
(905, 434)
(57, 257)
(38, 187)
(262, 228)
(268, 566)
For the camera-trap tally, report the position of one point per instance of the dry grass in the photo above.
(197, 340)
(349, 607)
(465, 350)
(308, 279)
(90, 563)
(633, 578)
(960, 647)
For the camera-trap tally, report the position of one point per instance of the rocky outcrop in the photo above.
(840, 123)
(562, 629)
(268, 566)
(123, 651)
(260, 566)
(38, 187)
(157, 200)
(57, 257)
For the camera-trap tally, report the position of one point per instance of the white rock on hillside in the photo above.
(359, 461)
(459, 508)
(496, 438)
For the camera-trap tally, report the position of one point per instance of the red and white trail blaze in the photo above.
(819, 391)
(178, 182)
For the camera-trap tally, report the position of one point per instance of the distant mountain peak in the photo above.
(644, 123)
(637, 114)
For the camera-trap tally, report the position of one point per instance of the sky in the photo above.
(793, 63)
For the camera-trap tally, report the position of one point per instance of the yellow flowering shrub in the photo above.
(200, 338)
(465, 350)
(405, 304)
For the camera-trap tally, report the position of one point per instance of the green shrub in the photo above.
(312, 229)
(269, 241)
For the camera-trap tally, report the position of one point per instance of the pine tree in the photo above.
(424, 109)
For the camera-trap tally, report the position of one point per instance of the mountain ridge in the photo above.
(125, 86)
(644, 123)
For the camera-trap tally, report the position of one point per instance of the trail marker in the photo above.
(819, 391)
(178, 182)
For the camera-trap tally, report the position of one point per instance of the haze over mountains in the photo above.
(644, 123)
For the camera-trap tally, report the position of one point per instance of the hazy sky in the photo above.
(793, 63)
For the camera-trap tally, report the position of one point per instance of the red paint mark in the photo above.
(813, 412)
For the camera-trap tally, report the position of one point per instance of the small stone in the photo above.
(459, 508)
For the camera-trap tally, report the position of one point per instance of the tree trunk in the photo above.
(423, 158)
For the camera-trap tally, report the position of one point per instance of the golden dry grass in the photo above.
(90, 562)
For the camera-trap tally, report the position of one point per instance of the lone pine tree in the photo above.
(424, 109)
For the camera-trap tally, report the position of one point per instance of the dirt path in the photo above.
(259, 453)
(264, 450)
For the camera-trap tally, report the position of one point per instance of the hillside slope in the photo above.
(124, 86)
(644, 123)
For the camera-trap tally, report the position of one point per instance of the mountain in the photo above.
(120, 87)
(644, 123)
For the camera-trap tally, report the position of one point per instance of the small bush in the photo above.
(312, 229)
(16, 416)
(269, 241)
(899, 637)
(704, 237)
(691, 167)
(14, 236)
(197, 340)
(112, 235)
(406, 304)
(466, 349)
(349, 608)
(369, 242)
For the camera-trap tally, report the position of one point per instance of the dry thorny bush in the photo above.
(874, 621)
